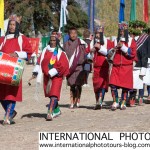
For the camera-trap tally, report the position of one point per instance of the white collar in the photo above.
(136, 38)
(10, 36)
(50, 49)
(122, 39)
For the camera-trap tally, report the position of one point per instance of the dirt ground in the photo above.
(31, 117)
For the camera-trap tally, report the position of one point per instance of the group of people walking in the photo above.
(119, 64)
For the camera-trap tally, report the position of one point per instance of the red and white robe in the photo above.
(101, 66)
(22, 47)
(52, 77)
(122, 69)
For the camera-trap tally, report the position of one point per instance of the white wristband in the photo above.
(124, 48)
(21, 54)
(103, 50)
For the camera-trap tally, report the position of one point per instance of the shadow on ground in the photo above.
(36, 115)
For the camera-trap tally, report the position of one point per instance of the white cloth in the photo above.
(84, 43)
(22, 54)
(53, 72)
(147, 76)
(40, 74)
(103, 50)
(129, 42)
(124, 48)
(122, 39)
(137, 82)
(63, 13)
(143, 71)
(36, 68)
(136, 38)
(89, 56)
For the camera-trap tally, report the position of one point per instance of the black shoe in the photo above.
(29, 83)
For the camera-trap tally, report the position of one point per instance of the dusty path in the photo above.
(31, 117)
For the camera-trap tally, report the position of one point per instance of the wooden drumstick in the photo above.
(29, 83)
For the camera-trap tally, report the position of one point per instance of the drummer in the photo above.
(16, 45)
(100, 48)
(121, 72)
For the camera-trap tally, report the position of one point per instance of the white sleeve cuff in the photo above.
(103, 50)
(148, 60)
(33, 55)
(36, 68)
(53, 72)
(143, 71)
(21, 54)
(89, 56)
(124, 48)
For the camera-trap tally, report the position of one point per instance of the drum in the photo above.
(11, 69)
(111, 55)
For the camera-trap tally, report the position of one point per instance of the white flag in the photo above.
(63, 14)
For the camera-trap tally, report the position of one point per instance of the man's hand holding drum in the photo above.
(119, 45)
(13, 54)
(97, 45)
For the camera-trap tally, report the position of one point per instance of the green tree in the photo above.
(77, 18)
(41, 15)
(108, 10)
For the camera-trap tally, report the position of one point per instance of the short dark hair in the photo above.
(72, 28)
(54, 31)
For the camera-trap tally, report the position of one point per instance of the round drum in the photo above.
(11, 69)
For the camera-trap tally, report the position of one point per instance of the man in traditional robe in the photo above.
(141, 72)
(99, 50)
(87, 37)
(54, 64)
(121, 75)
(16, 45)
(75, 49)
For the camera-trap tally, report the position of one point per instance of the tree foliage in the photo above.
(108, 11)
(41, 15)
(77, 17)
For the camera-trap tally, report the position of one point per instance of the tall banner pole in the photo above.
(121, 11)
(63, 20)
(145, 10)
(1, 16)
(63, 27)
(133, 10)
(91, 15)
